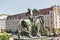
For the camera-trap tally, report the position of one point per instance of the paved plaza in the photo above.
(37, 38)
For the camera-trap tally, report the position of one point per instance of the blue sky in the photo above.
(20, 6)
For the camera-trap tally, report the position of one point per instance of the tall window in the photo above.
(47, 12)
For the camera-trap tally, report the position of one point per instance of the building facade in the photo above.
(13, 21)
(3, 18)
(51, 18)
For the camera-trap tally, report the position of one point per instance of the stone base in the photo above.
(29, 39)
(38, 38)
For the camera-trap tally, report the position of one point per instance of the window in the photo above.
(56, 25)
(47, 12)
(51, 39)
(59, 18)
(12, 18)
(15, 17)
(57, 39)
(51, 22)
(59, 21)
(51, 15)
(18, 17)
(9, 18)
(58, 11)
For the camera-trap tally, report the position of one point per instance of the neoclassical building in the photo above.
(3, 18)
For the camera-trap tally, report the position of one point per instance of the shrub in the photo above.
(46, 31)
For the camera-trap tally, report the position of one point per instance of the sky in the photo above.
(21, 6)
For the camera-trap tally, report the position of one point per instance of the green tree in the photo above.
(54, 31)
(46, 31)
(4, 36)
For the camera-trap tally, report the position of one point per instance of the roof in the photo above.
(21, 15)
(3, 16)
(40, 11)
(45, 10)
